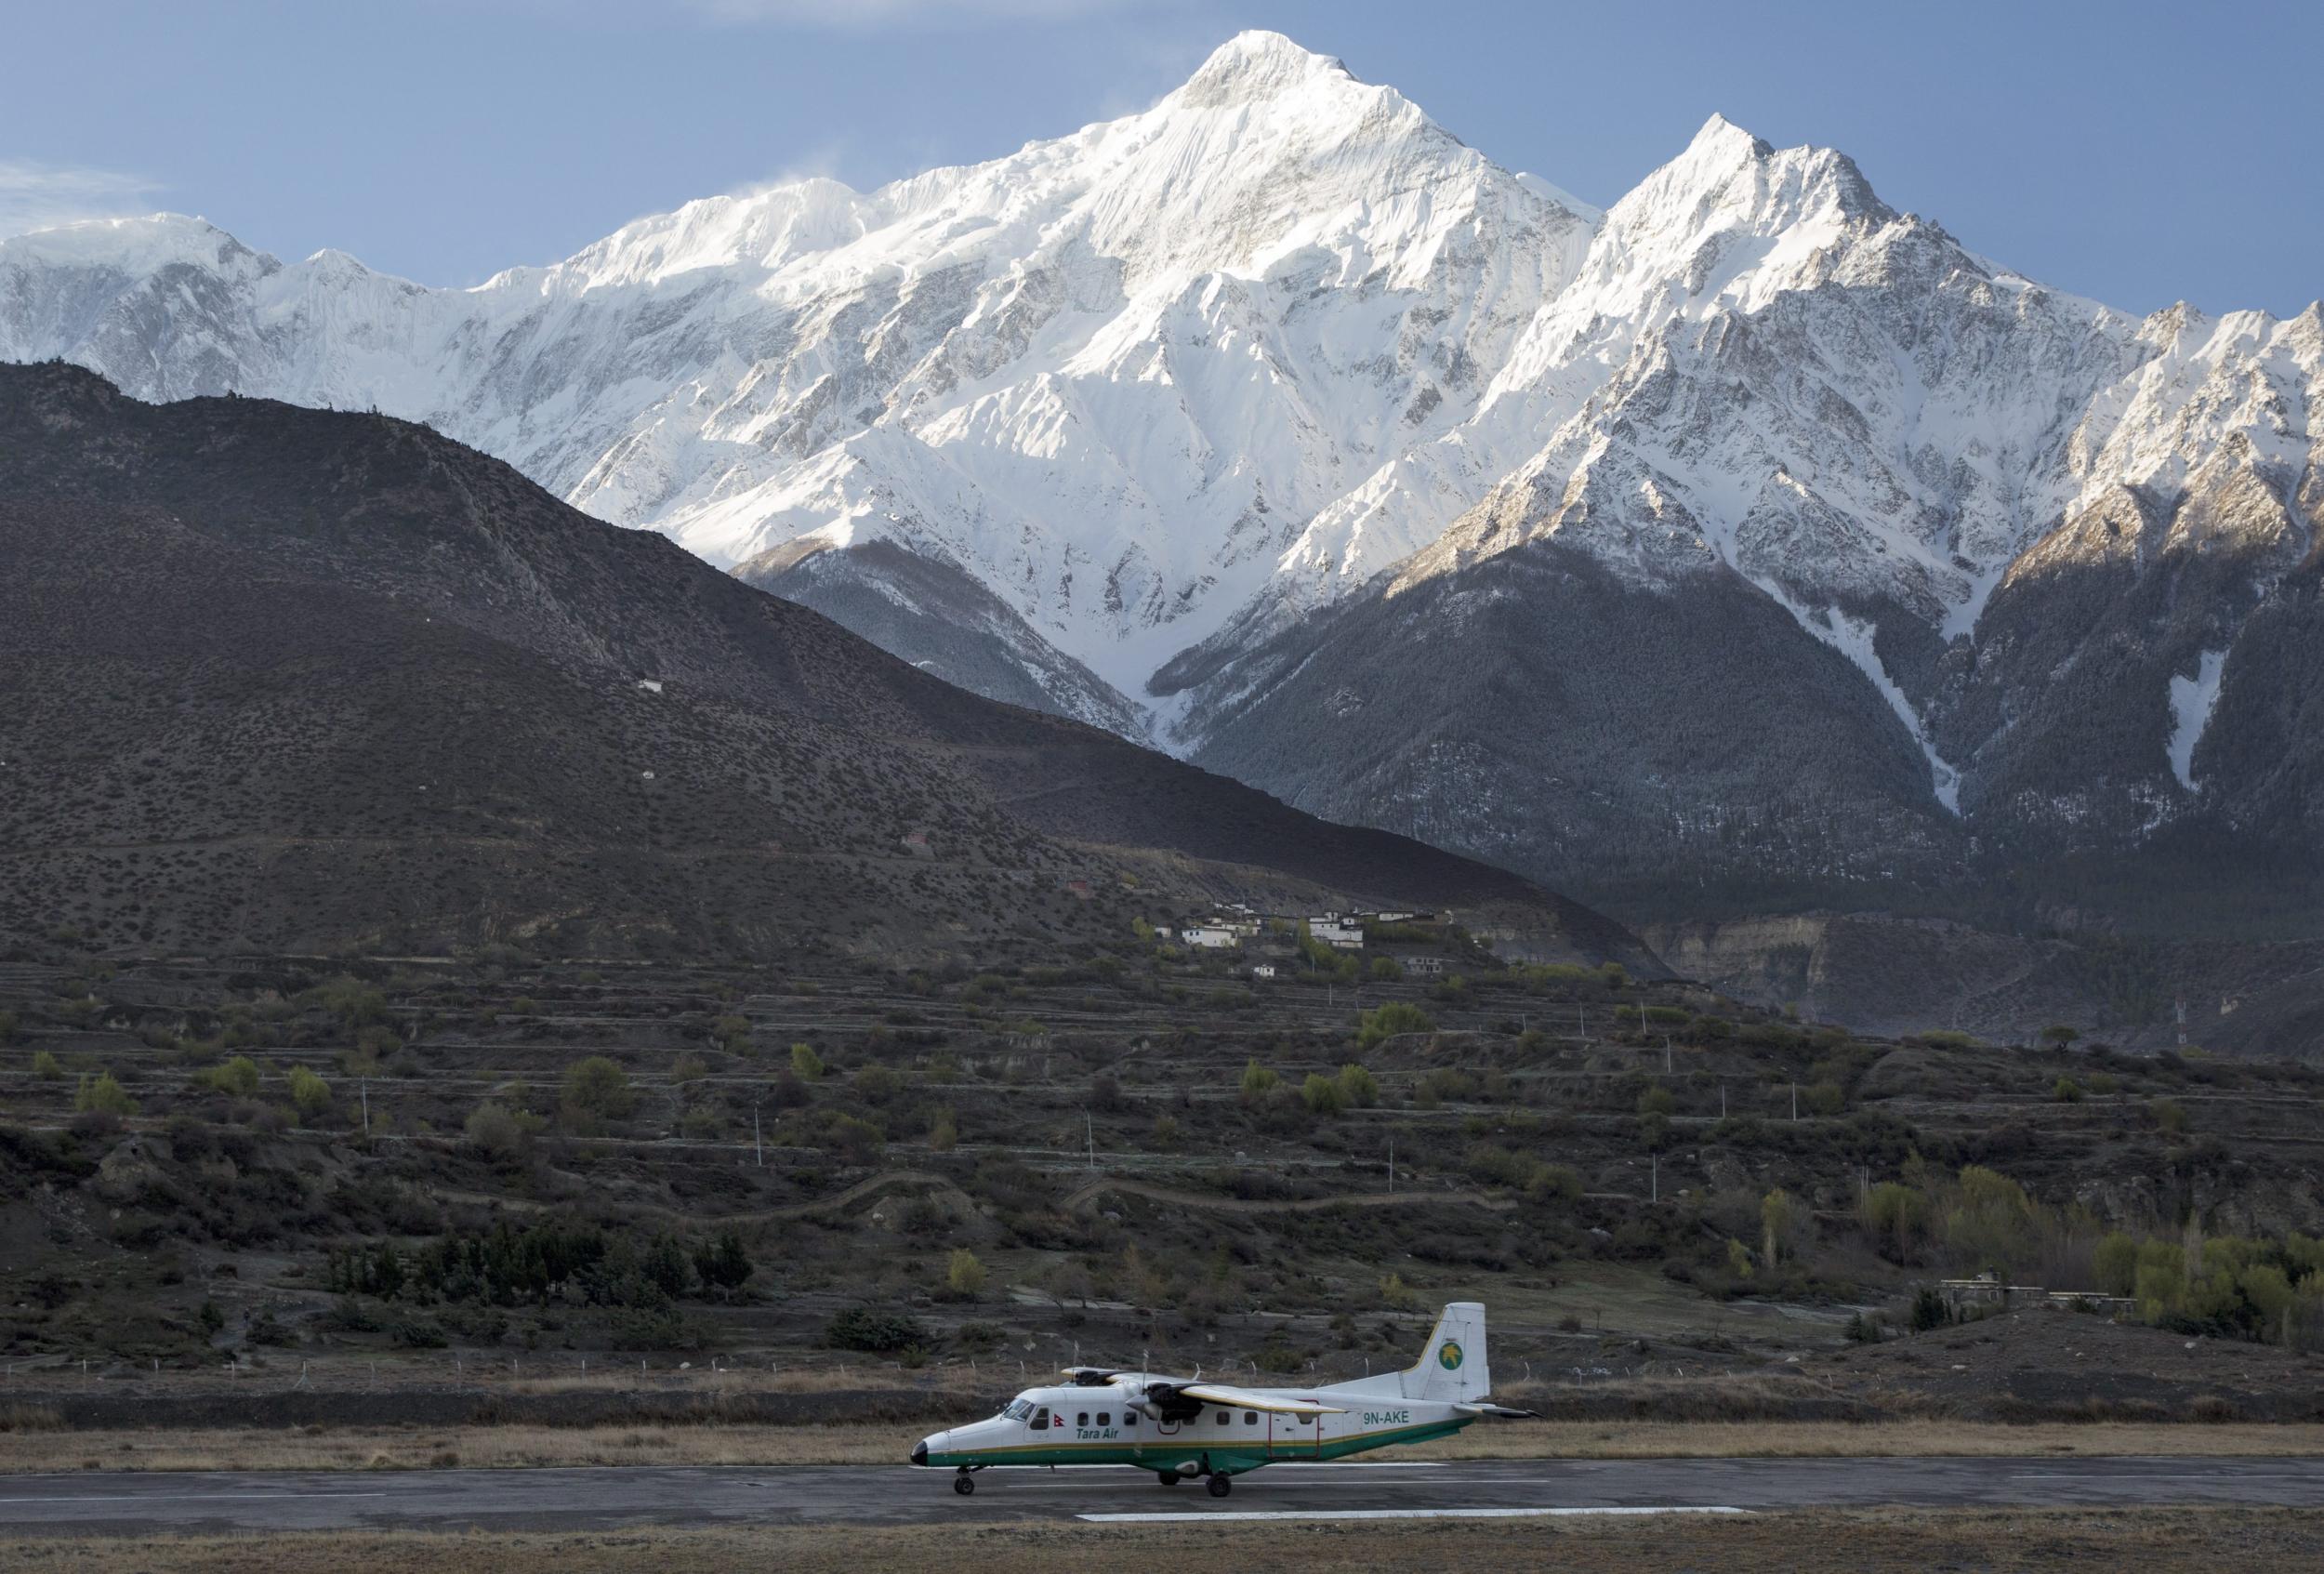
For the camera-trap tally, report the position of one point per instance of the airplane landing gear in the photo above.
(964, 1482)
(1220, 1485)
(1167, 1477)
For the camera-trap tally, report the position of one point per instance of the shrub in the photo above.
(806, 1065)
(494, 1132)
(689, 1069)
(1929, 1311)
(1323, 1095)
(309, 1093)
(732, 1033)
(1385, 969)
(1258, 1081)
(2066, 1090)
(2169, 1115)
(1657, 1100)
(964, 1275)
(944, 1132)
(598, 1088)
(873, 1331)
(238, 1076)
(1382, 1023)
(45, 1067)
(1560, 1181)
(1360, 1088)
(103, 1095)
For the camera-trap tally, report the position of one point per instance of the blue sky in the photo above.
(2139, 153)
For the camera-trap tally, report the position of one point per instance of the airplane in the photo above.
(1179, 1426)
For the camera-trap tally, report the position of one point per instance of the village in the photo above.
(1404, 943)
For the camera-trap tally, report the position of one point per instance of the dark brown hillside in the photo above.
(274, 678)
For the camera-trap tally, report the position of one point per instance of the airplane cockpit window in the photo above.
(1040, 1416)
(1018, 1409)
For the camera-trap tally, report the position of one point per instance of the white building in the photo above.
(1331, 932)
(1208, 937)
(1264, 970)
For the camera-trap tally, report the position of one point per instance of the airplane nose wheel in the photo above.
(964, 1484)
(1167, 1477)
(1220, 1485)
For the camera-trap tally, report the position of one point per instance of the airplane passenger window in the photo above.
(1105, 1417)
(1130, 1418)
(1223, 1418)
(1082, 1420)
(1250, 1418)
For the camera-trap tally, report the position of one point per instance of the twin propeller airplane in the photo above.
(1179, 1426)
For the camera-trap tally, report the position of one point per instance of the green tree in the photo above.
(1258, 1081)
(722, 1265)
(2114, 1263)
(1358, 1086)
(238, 1076)
(598, 1089)
(45, 1067)
(494, 1132)
(944, 1132)
(1382, 1023)
(309, 1093)
(1896, 1217)
(1778, 1216)
(1825, 1099)
(732, 1033)
(103, 1095)
(964, 1275)
(2060, 1035)
(1385, 969)
(1991, 1221)
(1323, 1095)
(1657, 1100)
(2066, 1090)
(806, 1065)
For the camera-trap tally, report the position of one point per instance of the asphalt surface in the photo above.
(126, 1503)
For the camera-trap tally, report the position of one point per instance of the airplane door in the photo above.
(1289, 1438)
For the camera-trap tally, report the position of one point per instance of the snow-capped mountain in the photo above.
(1751, 521)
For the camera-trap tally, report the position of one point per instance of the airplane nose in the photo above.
(920, 1453)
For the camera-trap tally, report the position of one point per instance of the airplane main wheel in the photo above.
(1167, 1477)
(1220, 1485)
(964, 1484)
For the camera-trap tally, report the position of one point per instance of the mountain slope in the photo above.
(1211, 423)
(283, 679)
(1111, 376)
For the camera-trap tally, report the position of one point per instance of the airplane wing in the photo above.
(1257, 1399)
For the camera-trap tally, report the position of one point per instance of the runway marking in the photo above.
(1299, 1467)
(1188, 1516)
(187, 1497)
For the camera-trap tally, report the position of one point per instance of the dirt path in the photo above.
(1081, 1196)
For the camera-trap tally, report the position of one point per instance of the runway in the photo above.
(125, 1503)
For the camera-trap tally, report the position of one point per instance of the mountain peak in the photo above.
(1256, 64)
(1721, 139)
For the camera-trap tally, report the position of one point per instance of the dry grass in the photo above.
(2130, 1541)
(502, 1448)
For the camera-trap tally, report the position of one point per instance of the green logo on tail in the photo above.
(1449, 1355)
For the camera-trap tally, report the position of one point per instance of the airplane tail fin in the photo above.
(1453, 1366)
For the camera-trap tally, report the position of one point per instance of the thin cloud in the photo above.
(34, 196)
(861, 16)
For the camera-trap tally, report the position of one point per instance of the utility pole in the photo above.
(1090, 1131)
(362, 1089)
(1392, 1165)
(1795, 1100)
(1656, 1181)
(1666, 1052)
(1722, 1100)
(758, 1145)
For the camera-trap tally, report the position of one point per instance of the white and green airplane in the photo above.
(1181, 1426)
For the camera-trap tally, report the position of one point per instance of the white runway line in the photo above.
(1387, 1513)
(187, 1497)
(1297, 1466)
